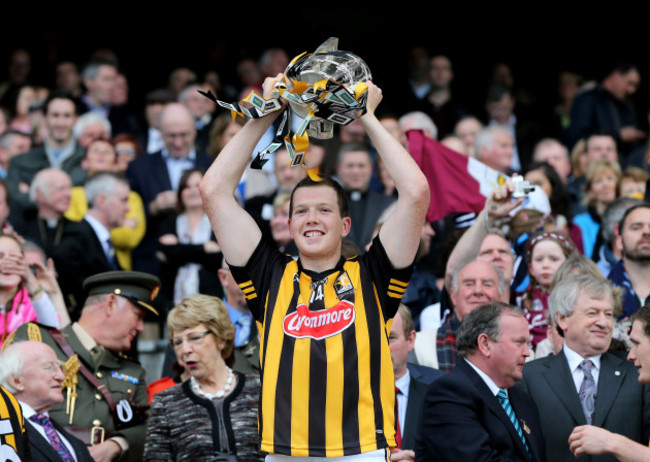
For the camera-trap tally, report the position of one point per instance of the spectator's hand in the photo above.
(631, 134)
(105, 452)
(46, 276)
(588, 439)
(500, 202)
(402, 454)
(23, 187)
(130, 222)
(168, 239)
(165, 200)
(211, 247)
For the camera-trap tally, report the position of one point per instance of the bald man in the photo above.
(156, 176)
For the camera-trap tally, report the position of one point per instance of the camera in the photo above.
(522, 187)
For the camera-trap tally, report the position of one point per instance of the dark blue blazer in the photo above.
(421, 378)
(148, 176)
(622, 403)
(462, 420)
(42, 450)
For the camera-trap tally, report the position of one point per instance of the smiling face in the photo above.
(478, 283)
(190, 194)
(547, 256)
(41, 378)
(640, 352)
(603, 187)
(317, 226)
(60, 117)
(588, 330)
(9, 250)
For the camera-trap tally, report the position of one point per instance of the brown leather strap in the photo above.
(67, 349)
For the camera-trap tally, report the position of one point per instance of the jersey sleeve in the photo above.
(390, 282)
(255, 279)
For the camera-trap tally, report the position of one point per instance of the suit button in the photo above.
(98, 397)
(99, 375)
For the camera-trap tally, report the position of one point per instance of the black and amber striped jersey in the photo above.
(13, 441)
(328, 388)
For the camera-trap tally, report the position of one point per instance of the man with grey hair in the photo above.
(472, 284)
(419, 121)
(91, 126)
(90, 249)
(585, 384)
(12, 143)
(32, 372)
(110, 395)
(495, 147)
(475, 413)
(50, 191)
(466, 129)
(156, 178)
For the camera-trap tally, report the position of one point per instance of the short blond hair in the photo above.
(207, 310)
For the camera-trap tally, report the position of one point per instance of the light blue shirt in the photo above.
(176, 167)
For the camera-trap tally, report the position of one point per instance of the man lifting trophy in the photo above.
(328, 388)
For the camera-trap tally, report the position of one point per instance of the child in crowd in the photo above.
(545, 253)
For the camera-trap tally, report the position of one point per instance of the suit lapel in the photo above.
(522, 411)
(610, 379)
(160, 171)
(417, 390)
(560, 381)
(493, 404)
(39, 445)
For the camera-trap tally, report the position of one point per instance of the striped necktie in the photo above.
(502, 396)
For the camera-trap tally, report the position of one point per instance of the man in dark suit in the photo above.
(585, 384)
(354, 170)
(588, 439)
(32, 370)
(89, 249)
(474, 413)
(411, 383)
(155, 177)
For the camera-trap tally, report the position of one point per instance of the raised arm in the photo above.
(236, 231)
(400, 234)
(498, 205)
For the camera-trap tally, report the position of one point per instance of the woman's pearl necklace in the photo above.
(218, 394)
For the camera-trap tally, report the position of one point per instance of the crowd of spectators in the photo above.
(91, 183)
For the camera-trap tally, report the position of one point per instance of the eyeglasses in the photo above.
(52, 366)
(127, 151)
(192, 339)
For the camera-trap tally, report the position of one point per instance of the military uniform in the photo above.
(110, 375)
(123, 377)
